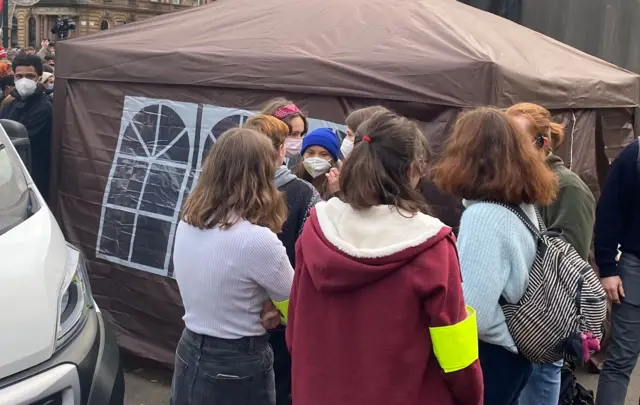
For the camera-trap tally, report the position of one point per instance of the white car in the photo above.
(55, 347)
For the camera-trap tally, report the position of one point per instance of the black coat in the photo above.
(35, 113)
(301, 197)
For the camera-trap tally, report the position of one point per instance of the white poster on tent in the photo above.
(161, 147)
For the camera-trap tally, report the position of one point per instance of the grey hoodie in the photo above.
(284, 177)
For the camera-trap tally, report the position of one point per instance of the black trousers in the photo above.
(281, 366)
(505, 374)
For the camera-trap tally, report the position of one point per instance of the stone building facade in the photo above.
(30, 25)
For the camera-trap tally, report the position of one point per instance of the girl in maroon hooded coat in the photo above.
(376, 314)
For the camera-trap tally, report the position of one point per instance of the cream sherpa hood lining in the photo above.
(379, 231)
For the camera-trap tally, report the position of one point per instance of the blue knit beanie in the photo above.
(324, 137)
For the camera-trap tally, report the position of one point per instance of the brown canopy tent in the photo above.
(137, 108)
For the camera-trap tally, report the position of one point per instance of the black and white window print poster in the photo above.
(157, 161)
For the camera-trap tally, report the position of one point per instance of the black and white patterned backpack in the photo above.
(564, 297)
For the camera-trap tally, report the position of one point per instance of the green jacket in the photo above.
(573, 210)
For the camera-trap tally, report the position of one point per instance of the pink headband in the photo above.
(286, 111)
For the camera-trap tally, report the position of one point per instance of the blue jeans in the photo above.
(543, 387)
(213, 371)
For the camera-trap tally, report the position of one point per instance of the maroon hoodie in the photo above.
(368, 286)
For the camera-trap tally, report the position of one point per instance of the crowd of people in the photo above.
(27, 79)
(313, 272)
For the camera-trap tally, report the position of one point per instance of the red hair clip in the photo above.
(366, 139)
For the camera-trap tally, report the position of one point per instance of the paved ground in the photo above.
(145, 383)
(150, 384)
(590, 381)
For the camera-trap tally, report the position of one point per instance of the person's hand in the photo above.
(7, 100)
(613, 287)
(270, 316)
(333, 177)
(45, 43)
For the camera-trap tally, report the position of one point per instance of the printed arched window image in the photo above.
(161, 147)
(146, 184)
(215, 121)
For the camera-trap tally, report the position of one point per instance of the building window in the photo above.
(31, 27)
(176, 2)
(104, 25)
(196, 3)
(14, 32)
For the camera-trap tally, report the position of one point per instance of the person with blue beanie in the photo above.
(320, 154)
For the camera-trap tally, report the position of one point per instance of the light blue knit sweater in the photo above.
(496, 253)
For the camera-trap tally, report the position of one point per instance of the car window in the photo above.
(14, 193)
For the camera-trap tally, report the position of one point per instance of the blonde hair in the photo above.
(237, 183)
(540, 118)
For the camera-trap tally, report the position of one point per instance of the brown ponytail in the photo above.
(357, 117)
(377, 171)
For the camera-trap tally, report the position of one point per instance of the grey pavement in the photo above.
(590, 381)
(142, 389)
(152, 385)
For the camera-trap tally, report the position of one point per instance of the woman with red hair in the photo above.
(572, 212)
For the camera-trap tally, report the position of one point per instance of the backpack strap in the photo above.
(516, 209)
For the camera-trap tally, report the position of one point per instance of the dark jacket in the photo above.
(573, 210)
(618, 213)
(35, 113)
(301, 197)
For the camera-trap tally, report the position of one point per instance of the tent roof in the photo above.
(428, 51)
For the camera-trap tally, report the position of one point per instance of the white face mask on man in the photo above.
(26, 87)
(316, 166)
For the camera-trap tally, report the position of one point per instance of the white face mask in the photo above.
(316, 166)
(26, 87)
(292, 146)
(346, 147)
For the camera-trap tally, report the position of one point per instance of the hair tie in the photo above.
(366, 139)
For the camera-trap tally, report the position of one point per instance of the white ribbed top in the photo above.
(225, 276)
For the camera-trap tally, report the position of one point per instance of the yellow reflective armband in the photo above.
(283, 308)
(456, 346)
